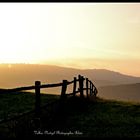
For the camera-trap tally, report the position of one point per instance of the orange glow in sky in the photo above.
(81, 35)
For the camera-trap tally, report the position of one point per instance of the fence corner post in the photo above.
(37, 98)
(81, 80)
(87, 88)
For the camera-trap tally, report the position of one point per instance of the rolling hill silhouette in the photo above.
(15, 75)
(24, 74)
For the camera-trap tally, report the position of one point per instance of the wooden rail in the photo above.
(80, 85)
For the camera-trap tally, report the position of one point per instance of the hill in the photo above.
(13, 75)
(126, 92)
(78, 118)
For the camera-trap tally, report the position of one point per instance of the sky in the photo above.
(79, 35)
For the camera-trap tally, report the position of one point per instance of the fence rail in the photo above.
(80, 85)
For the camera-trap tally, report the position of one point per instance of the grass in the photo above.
(105, 118)
(74, 118)
(113, 119)
(20, 102)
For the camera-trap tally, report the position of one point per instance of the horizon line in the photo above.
(69, 67)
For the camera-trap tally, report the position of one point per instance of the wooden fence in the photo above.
(80, 85)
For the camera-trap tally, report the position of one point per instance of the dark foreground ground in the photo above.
(75, 118)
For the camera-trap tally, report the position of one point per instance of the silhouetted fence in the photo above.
(80, 85)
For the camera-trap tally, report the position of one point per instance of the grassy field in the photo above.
(17, 103)
(75, 117)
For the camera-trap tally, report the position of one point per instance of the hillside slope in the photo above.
(126, 92)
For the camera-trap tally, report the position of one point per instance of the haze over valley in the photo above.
(24, 74)
(110, 84)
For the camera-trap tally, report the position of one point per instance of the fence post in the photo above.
(81, 80)
(91, 88)
(87, 87)
(64, 88)
(37, 97)
(74, 86)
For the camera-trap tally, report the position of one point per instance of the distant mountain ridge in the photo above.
(107, 77)
(13, 75)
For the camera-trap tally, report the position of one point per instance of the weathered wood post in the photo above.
(81, 80)
(74, 86)
(87, 86)
(63, 97)
(37, 98)
(91, 88)
(64, 88)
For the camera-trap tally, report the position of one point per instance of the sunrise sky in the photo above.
(79, 35)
